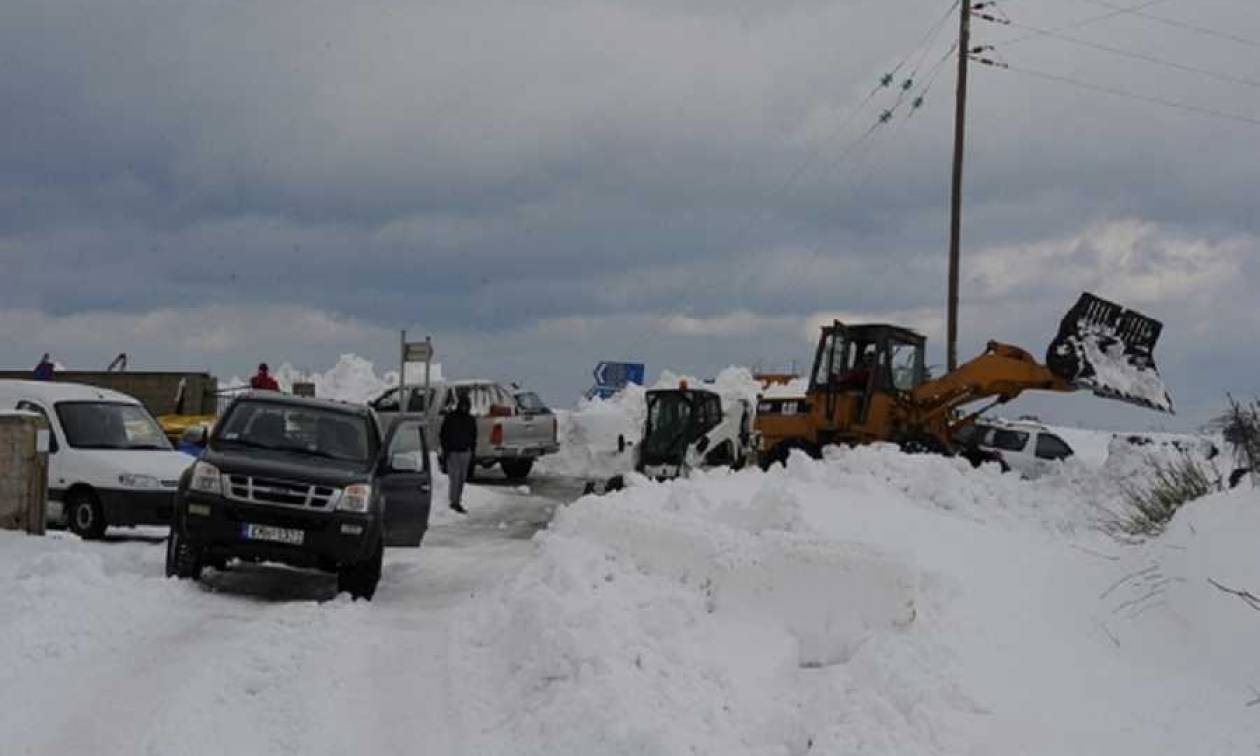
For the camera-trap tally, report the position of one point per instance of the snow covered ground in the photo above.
(101, 654)
(871, 602)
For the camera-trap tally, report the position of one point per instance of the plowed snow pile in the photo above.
(352, 379)
(872, 603)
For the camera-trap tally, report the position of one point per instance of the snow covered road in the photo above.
(104, 655)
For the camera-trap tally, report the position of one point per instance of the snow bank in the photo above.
(352, 379)
(872, 602)
(794, 389)
(588, 435)
(1132, 459)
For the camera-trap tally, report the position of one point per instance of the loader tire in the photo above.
(922, 443)
(783, 450)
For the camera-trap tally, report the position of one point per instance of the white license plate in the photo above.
(267, 533)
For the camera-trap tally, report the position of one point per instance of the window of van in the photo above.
(109, 425)
(26, 406)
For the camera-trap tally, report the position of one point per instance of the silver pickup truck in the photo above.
(510, 433)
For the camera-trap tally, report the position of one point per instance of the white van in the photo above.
(109, 462)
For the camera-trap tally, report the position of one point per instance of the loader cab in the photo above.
(859, 373)
(864, 358)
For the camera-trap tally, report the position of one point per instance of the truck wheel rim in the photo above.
(83, 516)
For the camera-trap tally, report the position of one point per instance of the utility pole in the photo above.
(955, 219)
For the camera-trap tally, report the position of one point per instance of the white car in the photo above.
(109, 462)
(1026, 447)
(510, 433)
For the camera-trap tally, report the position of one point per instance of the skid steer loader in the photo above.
(686, 429)
(869, 382)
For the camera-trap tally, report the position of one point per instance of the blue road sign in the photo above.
(611, 377)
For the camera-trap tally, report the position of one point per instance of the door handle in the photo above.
(424, 487)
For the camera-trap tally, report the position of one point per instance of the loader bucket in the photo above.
(1109, 350)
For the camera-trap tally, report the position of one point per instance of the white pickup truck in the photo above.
(511, 434)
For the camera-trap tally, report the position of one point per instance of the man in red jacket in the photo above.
(262, 380)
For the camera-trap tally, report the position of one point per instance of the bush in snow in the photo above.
(1241, 427)
(1173, 483)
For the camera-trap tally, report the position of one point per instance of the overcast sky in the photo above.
(691, 183)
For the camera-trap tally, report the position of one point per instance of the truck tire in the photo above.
(517, 469)
(84, 515)
(183, 560)
(360, 579)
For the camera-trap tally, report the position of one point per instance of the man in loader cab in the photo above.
(859, 376)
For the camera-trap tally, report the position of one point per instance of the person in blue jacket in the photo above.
(44, 370)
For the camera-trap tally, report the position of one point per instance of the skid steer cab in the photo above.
(687, 429)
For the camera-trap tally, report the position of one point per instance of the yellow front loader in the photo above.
(869, 382)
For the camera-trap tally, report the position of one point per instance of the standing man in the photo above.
(458, 438)
(262, 380)
(44, 370)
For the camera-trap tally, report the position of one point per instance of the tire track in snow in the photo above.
(252, 662)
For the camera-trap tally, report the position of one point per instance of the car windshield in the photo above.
(298, 429)
(110, 425)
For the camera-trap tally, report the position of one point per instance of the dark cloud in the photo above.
(548, 184)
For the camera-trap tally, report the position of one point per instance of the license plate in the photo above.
(290, 536)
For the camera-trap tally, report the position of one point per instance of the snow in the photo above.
(1113, 372)
(872, 603)
(101, 654)
(352, 379)
(796, 388)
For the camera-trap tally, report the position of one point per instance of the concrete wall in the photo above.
(156, 390)
(23, 474)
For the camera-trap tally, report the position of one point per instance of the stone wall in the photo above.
(23, 473)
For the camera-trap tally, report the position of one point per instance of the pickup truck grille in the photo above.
(283, 492)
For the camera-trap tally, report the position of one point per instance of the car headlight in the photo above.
(135, 480)
(355, 498)
(206, 478)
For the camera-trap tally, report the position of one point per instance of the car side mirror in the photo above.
(404, 463)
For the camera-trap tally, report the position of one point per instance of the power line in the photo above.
(1086, 22)
(886, 80)
(1176, 24)
(811, 159)
(1116, 91)
(1142, 57)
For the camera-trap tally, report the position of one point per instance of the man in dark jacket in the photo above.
(459, 439)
